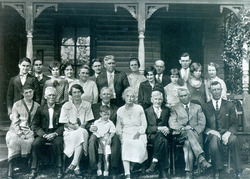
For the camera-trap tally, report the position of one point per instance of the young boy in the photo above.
(105, 132)
(171, 90)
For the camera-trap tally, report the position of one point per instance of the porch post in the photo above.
(141, 30)
(245, 68)
(29, 19)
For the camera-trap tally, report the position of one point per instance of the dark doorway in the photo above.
(180, 36)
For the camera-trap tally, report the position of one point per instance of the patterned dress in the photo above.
(61, 88)
(135, 81)
(171, 94)
(128, 124)
(20, 136)
(81, 115)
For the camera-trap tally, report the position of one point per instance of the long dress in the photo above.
(81, 115)
(19, 138)
(207, 88)
(61, 88)
(135, 81)
(197, 92)
(90, 90)
(128, 124)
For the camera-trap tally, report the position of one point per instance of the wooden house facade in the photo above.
(80, 30)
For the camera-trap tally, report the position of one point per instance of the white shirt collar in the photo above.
(106, 104)
(184, 105)
(214, 102)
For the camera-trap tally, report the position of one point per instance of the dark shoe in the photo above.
(164, 174)
(217, 176)
(78, 173)
(238, 174)
(32, 174)
(204, 164)
(60, 173)
(189, 175)
(70, 169)
(128, 176)
(151, 169)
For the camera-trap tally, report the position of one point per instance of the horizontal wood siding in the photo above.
(213, 44)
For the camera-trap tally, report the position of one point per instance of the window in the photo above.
(75, 46)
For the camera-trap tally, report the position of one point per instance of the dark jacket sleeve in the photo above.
(234, 122)
(10, 96)
(37, 123)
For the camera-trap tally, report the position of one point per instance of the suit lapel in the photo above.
(116, 75)
(222, 109)
(46, 113)
(154, 116)
(55, 115)
(18, 82)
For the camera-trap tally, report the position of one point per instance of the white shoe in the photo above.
(105, 173)
(99, 172)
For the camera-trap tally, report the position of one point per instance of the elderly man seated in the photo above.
(158, 133)
(47, 128)
(188, 122)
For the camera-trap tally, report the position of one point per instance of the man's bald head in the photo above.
(159, 66)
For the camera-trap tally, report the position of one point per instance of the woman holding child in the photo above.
(131, 126)
(74, 116)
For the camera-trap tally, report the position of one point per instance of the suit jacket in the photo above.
(179, 117)
(93, 78)
(15, 88)
(120, 84)
(227, 120)
(165, 80)
(154, 121)
(40, 124)
(41, 84)
(144, 95)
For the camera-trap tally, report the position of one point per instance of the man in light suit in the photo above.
(161, 78)
(158, 133)
(17, 82)
(41, 78)
(114, 79)
(188, 122)
(222, 124)
(47, 128)
(105, 96)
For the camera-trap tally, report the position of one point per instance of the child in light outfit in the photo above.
(105, 132)
(171, 90)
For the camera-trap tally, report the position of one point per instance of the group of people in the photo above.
(111, 117)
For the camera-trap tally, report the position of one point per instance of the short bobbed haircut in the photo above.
(149, 69)
(105, 108)
(212, 64)
(27, 87)
(174, 71)
(135, 60)
(76, 86)
(195, 67)
(55, 64)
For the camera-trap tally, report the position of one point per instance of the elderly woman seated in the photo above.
(20, 136)
(131, 126)
(74, 116)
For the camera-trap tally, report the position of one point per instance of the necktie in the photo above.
(111, 84)
(158, 112)
(158, 78)
(187, 109)
(217, 106)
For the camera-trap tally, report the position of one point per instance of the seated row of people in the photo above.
(78, 128)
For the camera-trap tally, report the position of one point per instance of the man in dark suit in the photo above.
(41, 78)
(158, 133)
(16, 83)
(185, 62)
(188, 122)
(161, 78)
(222, 124)
(97, 68)
(105, 96)
(115, 80)
(47, 128)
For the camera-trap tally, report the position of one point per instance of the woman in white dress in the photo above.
(135, 78)
(131, 126)
(212, 69)
(90, 89)
(74, 115)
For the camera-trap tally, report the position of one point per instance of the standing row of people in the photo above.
(67, 116)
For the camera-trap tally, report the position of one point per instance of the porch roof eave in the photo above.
(227, 2)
